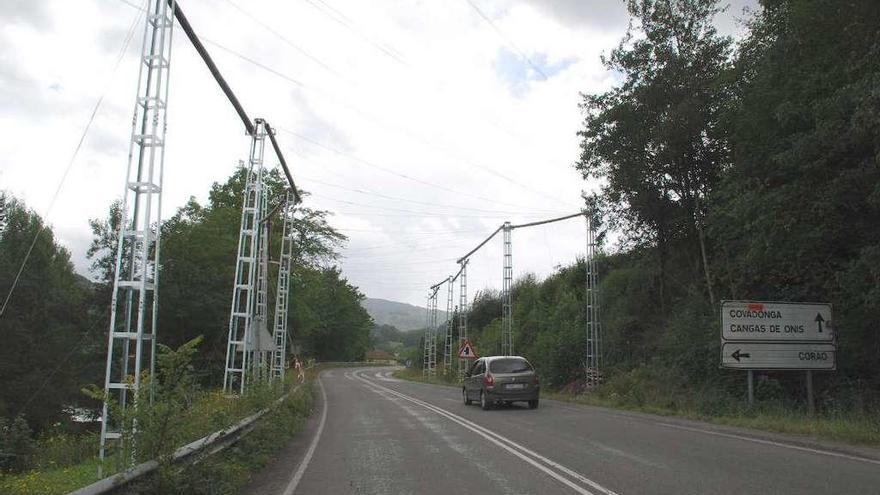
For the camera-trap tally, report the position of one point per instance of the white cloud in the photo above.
(434, 110)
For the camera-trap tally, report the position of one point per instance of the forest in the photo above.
(55, 325)
(742, 170)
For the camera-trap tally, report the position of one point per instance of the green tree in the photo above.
(46, 340)
(656, 140)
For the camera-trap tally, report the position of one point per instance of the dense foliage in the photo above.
(732, 174)
(48, 338)
(55, 325)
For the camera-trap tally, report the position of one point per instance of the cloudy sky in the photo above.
(420, 124)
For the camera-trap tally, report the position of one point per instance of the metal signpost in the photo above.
(778, 336)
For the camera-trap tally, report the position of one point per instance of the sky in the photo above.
(421, 125)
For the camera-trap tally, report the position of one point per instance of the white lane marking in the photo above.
(508, 444)
(775, 444)
(347, 375)
(309, 453)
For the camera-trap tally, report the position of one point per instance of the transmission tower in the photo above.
(426, 360)
(4, 215)
(131, 338)
(462, 313)
(594, 329)
(282, 294)
(247, 282)
(506, 306)
(430, 361)
(447, 336)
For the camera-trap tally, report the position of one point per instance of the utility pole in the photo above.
(506, 306)
(131, 338)
(247, 282)
(594, 328)
(447, 338)
(429, 366)
(282, 296)
(462, 313)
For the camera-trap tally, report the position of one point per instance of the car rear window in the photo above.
(509, 365)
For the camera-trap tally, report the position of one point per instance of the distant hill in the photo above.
(400, 315)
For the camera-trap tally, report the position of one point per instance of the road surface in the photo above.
(373, 434)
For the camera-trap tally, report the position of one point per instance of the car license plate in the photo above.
(515, 386)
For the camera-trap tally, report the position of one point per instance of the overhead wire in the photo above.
(120, 55)
(366, 114)
(82, 341)
(507, 39)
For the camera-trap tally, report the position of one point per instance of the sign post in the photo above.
(778, 336)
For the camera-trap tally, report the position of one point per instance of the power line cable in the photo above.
(288, 42)
(129, 35)
(390, 171)
(337, 16)
(507, 39)
(366, 114)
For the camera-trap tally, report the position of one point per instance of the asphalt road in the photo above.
(373, 434)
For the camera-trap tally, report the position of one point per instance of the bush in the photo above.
(16, 444)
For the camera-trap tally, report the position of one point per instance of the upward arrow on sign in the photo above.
(819, 320)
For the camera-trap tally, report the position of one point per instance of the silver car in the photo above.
(501, 380)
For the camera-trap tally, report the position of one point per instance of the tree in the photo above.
(657, 140)
(797, 214)
(47, 343)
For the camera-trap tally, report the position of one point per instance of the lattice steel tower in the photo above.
(282, 295)
(131, 339)
(594, 328)
(462, 313)
(506, 306)
(242, 316)
(447, 335)
(430, 360)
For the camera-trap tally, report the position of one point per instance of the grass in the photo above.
(849, 427)
(68, 462)
(61, 467)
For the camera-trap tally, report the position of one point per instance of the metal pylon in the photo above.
(432, 365)
(4, 215)
(247, 267)
(429, 366)
(506, 310)
(426, 361)
(594, 328)
(447, 335)
(462, 313)
(282, 294)
(134, 303)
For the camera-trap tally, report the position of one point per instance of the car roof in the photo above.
(492, 358)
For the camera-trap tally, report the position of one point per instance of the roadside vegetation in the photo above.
(60, 462)
(56, 322)
(731, 170)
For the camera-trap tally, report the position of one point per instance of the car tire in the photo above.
(464, 396)
(533, 404)
(484, 402)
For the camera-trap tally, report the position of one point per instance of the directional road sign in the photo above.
(775, 321)
(778, 356)
(467, 351)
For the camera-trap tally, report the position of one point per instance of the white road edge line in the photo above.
(507, 444)
(771, 442)
(309, 453)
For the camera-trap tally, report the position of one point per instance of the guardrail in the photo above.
(219, 440)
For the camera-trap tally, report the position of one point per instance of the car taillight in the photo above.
(489, 380)
(536, 381)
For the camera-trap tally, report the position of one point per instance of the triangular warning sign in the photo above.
(467, 351)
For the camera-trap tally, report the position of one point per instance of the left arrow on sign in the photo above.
(737, 355)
